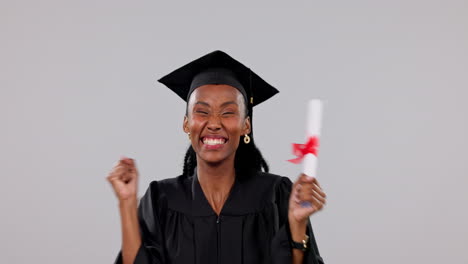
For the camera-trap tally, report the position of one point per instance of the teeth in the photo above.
(213, 141)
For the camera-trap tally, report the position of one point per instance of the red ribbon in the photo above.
(300, 150)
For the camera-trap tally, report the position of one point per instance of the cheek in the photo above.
(236, 141)
(234, 125)
(196, 122)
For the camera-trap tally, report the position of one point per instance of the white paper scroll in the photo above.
(314, 125)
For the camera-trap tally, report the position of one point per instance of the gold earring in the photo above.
(246, 139)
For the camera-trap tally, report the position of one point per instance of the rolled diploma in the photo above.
(314, 125)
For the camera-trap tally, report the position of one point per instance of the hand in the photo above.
(124, 179)
(305, 189)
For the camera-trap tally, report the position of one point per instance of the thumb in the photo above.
(116, 183)
(301, 179)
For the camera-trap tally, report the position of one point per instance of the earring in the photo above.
(189, 137)
(246, 139)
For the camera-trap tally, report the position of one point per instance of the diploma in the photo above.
(314, 125)
(307, 153)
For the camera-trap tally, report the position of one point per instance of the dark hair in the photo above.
(248, 160)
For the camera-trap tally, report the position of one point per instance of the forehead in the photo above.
(216, 93)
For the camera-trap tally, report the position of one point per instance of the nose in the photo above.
(214, 123)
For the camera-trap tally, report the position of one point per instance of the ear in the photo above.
(185, 125)
(247, 125)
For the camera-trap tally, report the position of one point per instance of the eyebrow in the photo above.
(222, 105)
(202, 103)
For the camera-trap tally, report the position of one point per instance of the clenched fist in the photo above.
(124, 179)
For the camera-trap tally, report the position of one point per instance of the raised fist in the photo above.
(124, 179)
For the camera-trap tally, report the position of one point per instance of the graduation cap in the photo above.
(218, 67)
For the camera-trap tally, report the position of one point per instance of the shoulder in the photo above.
(170, 186)
(272, 181)
(171, 192)
(267, 185)
(173, 183)
(154, 203)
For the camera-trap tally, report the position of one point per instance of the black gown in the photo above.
(179, 226)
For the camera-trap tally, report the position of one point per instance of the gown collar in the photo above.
(234, 204)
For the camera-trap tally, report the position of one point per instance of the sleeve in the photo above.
(151, 250)
(281, 249)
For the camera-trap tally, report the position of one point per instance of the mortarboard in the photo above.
(218, 67)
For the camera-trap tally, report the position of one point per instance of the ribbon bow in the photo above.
(300, 150)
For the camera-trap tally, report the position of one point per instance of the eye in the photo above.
(229, 111)
(201, 112)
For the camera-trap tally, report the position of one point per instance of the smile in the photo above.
(213, 141)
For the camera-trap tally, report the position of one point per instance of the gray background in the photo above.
(78, 89)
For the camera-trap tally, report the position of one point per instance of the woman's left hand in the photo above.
(305, 189)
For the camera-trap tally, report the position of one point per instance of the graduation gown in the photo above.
(179, 226)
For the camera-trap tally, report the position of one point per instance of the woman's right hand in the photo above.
(124, 179)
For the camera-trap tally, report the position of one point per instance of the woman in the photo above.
(225, 207)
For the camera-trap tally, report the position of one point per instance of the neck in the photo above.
(216, 181)
(216, 177)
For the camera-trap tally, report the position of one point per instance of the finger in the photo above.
(312, 194)
(117, 184)
(296, 182)
(305, 179)
(298, 187)
(310, 189)
(313, 197)
(125, 160)
(317, 204)
(317, 182)
(296, 199)
(128, 161)
(122, 174)
(126, 177)
(123, 179)
(133, 171)
(119, 164)
(300, 180)
(129, 164)
(128, 174)
(133, 167)
(117, 171)
(312, 186)
(304, 188)
(319, 190)
(298, 191)
(319, 197)
(294, 192)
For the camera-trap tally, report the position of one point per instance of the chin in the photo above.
(213, 160)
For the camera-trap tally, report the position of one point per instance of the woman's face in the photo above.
(216, 119)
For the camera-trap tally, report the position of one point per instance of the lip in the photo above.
(213, 147)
